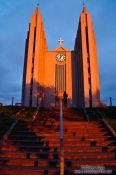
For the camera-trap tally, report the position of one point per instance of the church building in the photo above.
(48, 74)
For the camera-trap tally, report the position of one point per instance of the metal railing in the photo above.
(102, 117)
(6, 135)
(61, 140)
(37, 110)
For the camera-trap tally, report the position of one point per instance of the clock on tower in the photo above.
(60, 57)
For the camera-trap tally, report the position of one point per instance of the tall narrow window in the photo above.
(89, 80)
(60, 79)
(89, 70)
(87, 40)
(34, 40)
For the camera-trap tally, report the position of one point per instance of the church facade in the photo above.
(49, 74)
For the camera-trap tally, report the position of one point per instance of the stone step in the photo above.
(51, 148)
(68, 123)
(56, 162)
(29, 162)
(28, 171)
(67, 155)
(58, 130)
(19, 170)
(22, 170)
(72, 140)
(71, 125)
(82, 122)
(53, 134)
(91, 162)
(56, 138)
(57, 124)
(85, 155)
(87, 149)
(57, 143)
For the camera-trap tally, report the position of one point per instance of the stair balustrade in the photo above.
(61, 140)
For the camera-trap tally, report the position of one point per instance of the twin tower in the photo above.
(48, 74)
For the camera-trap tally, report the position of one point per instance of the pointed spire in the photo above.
(36, 10)
(84, 10)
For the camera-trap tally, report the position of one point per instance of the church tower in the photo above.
(86, 75)
(36, 47)
(49, 74)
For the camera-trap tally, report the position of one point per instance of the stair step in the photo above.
(66, 131)
(51, 138)
(52, 155)
(51, 148)
(55, 162)
(22, 170)
(18, 170)
(55, 126)
(29, 162)
(57, 134)
(57, 143)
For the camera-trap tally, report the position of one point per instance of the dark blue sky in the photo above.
(60, 19)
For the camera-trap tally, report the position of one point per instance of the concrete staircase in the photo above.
(33, 148)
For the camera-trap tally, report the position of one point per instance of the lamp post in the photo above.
(12, 101)
(110, 101)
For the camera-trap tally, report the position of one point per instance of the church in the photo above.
(48, 74)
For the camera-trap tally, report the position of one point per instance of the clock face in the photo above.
(60, 57)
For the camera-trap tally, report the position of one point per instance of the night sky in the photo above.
(60, 19)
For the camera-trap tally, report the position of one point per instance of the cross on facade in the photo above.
(60, 41)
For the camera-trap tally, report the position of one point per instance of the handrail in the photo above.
(102, 116)
(20, 112)
(37, 110)
(6, 135)
(109, 127)
(35, 115)
(61, 140)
